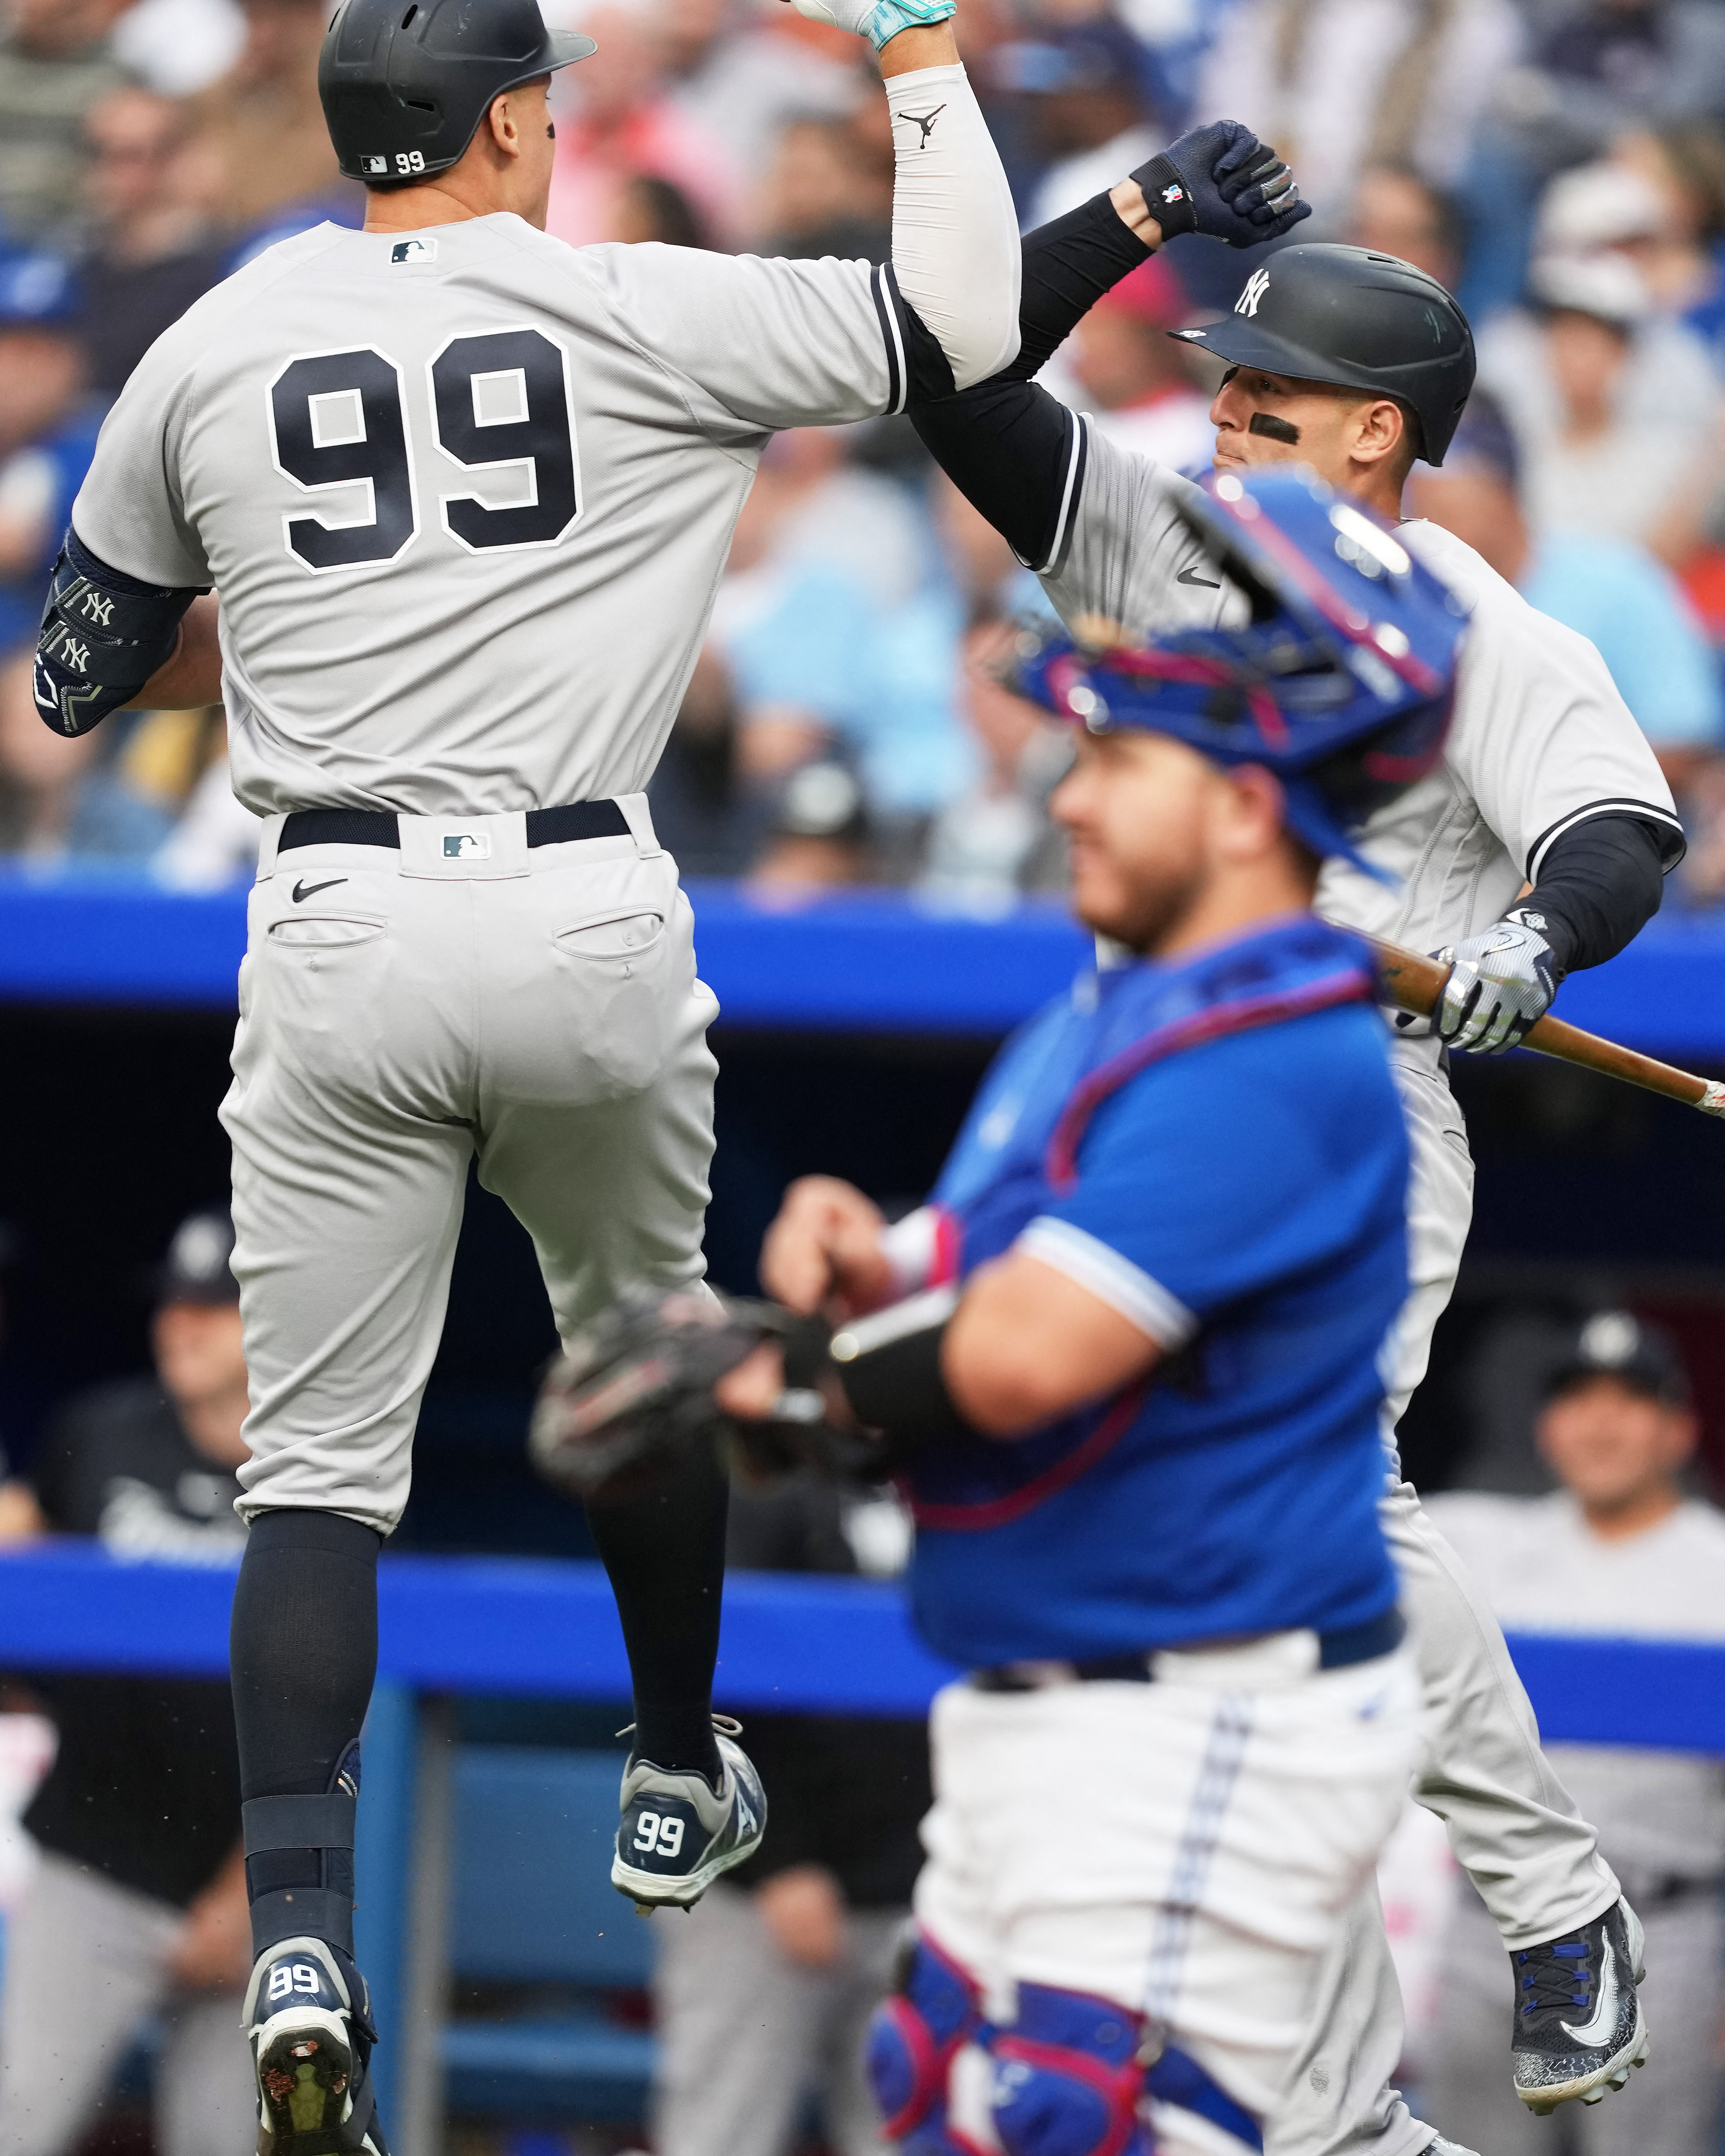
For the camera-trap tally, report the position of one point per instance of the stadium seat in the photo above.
(532, 1905)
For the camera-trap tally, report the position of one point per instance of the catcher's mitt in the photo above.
(632, 1394)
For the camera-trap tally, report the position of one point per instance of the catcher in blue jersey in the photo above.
(1125, 1364)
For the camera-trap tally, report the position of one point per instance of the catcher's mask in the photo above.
(1340, 683)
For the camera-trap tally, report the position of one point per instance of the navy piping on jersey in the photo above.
(887, 304)
(1077, 456)
(1662, 818)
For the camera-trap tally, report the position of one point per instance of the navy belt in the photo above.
(1338, 1649)
(374, 827)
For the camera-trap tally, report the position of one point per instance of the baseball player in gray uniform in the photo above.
(464, 494)
(1538, 846)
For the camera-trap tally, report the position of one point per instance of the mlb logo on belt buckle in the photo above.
(467, 846)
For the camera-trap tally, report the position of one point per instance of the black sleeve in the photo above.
(1013, 452)
(1068, 265)
(1599, 884)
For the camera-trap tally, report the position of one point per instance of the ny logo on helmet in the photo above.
(1256, 286)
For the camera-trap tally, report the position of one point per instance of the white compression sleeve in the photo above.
(955, 234)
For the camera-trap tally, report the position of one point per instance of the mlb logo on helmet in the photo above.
(467, 846)
(374, 164)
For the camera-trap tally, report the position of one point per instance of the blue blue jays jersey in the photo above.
(1215, 1148)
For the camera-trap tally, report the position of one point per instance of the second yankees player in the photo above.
(464, 495)
(1355, 364)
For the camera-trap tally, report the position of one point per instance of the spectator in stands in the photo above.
(47, 432)
(740, 75)
(1638, 377)
(817, 835)
(704, 813)
(623, 124)
(1603, 66)
(1341, 85)
(1136, 382)
(1614, 593)
(1396, 211)
(137, 1907)
(824, 193)
(179, 46)
(154, 252)
(1617, 1550)
(1599, 454)
(764, 1989)
(648, 208)
(1085, 83)
(259, 129)
(837, 629)
(996, 840)
(54, 65)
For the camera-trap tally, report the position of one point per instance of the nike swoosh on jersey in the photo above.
(1603, 2024)
(311, 890)
(1192, 577)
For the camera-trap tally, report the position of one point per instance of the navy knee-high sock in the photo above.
(665, 1552)
(303, 1650)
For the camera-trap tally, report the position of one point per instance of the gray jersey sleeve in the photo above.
(129, 509)
(1122, 550)
(1541, 738)
(757, 344)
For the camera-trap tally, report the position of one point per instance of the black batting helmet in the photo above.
(406, 83)
(1326, 313)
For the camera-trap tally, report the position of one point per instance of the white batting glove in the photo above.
(876, 20)
(1499, 983)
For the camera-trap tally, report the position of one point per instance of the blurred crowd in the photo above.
(1560, 164)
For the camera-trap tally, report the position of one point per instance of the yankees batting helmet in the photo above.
(1341, 683)
(405, 86)
(1327, 313)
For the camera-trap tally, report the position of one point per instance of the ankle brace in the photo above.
(299, 1863)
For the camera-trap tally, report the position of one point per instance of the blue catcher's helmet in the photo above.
(1340, 683)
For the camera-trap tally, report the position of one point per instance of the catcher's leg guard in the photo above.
(932, 2012)
(1067, 2079)
(1069, 2082)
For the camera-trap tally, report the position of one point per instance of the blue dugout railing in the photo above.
(862, 962)
(536, 1629)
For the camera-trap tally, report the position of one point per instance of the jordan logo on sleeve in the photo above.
(926, 122)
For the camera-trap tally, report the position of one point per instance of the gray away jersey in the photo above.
(1539, 741)
(466, 495)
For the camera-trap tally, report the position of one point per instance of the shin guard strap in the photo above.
(324, 1822)
(288, 1912)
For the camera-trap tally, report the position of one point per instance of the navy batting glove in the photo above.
(1222, 182)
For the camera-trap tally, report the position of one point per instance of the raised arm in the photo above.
(1014, 451)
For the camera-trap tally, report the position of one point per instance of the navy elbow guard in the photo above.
(103, 635)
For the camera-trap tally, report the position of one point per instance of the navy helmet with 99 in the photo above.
(1341, 683)
(406, 83)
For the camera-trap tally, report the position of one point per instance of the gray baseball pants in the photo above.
(746, 2037)
(86, 1964)
(1513, 1826)
(403, 1011)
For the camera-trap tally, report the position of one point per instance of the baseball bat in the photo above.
(1415, 982)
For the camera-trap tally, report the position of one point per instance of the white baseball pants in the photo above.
(402, 1012)
(1513, 1826)
(1184, 1848)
